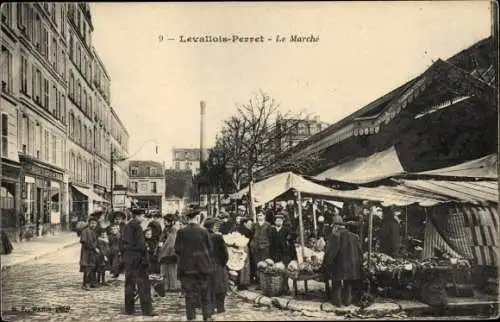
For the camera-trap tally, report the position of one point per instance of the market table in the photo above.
(306, 277)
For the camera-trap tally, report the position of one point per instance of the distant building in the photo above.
(289, 132)
(147, 183)
(186, 159)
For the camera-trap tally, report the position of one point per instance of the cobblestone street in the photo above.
(53, 281)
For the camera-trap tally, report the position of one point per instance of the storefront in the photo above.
(84, 201)
(10, 199)
(41, 194)
(103, 197)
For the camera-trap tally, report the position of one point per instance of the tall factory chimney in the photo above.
(202, 132)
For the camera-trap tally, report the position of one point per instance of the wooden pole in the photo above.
(250, 202)
(370, 233)
(301, 224)
(315, 222)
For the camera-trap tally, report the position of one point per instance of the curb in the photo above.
(36, 257)
(308, 307)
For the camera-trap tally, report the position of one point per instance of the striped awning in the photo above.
(476, 192)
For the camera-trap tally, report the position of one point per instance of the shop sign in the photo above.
(42, 172)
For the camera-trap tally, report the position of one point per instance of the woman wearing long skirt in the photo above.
(167, 256)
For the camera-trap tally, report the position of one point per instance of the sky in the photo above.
(364, 50)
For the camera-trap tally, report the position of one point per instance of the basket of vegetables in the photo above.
(272, 277)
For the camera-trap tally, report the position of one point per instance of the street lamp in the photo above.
(114, 159)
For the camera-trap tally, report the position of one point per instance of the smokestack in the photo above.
(202, 132)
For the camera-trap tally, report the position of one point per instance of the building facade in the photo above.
(289, 132)
(186, 159)
(47, 108)
(147, 184)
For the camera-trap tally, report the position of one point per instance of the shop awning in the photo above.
(485, 167)
(363, 170)
(272, 187)
(464, 191)
(90, 194)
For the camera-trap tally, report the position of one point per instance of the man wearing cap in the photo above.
(282, 243)
(342, 262)
(193, 247)
(89, 254)
(261, 240)
(136, 265)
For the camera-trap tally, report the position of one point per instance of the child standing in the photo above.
(103, 264)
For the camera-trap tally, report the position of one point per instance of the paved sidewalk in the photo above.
(31, 250)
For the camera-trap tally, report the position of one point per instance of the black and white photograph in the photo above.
(249, 161)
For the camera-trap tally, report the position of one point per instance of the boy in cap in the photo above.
(89, 253)
(193, 247)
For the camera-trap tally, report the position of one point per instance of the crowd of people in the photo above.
(190, 254)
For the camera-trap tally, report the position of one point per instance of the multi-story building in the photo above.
(48, 117)
(147, 183)
(186, 159)
(289, 132)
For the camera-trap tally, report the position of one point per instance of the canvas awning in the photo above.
(363, 170)
(90, 194)
(464, 191)
(485, 167)
(272, 187)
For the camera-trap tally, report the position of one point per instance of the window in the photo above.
(152, 172)
(31, 138)
(84, 100)
(6, 70)
(5, 135)
(71, 48)
(46, 145)
(71, 85)
(78, 131)
(177, 165)
(38, 140)
(153, 187)
(71, 124)
(54, 149)
(45, 42)
(63, 108)
(90, 139)
(63, 24)
(62, 62)
(7, 14)
(84, 136)
(78, 56)
(22, 12)
(78, 93)
(54, 50)
(53, 101)
(134, 186)
(46, 93)
(134, 171)
(24, 75)
(25, 132)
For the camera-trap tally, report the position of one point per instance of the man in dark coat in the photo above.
(89, 254)
(220, 279)
(282, 244)
(342, 262)
(389, 234)
(261, 240)
(193, 247)
(136, 265)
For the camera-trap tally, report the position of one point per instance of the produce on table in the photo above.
(269, 267)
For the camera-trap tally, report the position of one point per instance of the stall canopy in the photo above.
(363, 170)
(485, 167)
(272, 187)
(462, 191)
(90, 194)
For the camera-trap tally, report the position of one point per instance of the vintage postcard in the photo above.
(249, 161)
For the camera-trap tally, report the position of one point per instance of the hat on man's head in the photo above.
(280, 216)
(210, 222)
(92, 218)
(366, 204)
(223, 215)
(138, 212)
(192, 213)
